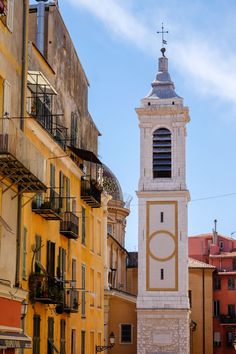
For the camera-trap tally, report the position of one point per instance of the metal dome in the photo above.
(111, 184)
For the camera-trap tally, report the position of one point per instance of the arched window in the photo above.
(162, 153)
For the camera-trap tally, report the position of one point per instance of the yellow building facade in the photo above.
(53, 203)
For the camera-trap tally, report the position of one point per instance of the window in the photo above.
(92, 239)
(51, 258)
(73, 341)
(50, 335)
(217, 341)
(230, 338)
(38, 246)
(61, 189)
(67, 194)
(92, 287)
(73, 277)
(52, 182)
(6, 98)
(126, 333)
(162, 216)
(92, 344)
(162, 153)
(83, 238)
(83, 342)
(217, 283)
(24, 258)
(231, 284)
(162, 273)
(110, 229)
(216, 307)
(74, 129)
(61, 269)
(231, 310)
(234, 263)
(83, 286)
(63, 337)
(99, 237)
(221, 244)
(36, 334)
(190, 298)
(99, 290)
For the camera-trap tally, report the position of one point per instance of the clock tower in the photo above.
(162, 303)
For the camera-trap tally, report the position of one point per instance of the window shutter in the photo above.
(10, 14)
(67, 194)
(6, 98)
(24, 254)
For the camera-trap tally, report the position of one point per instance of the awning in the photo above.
(36, 78)
(14, 340)
(85, 155)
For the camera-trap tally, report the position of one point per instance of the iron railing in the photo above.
(69, 225)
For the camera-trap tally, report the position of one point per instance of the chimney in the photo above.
(40, 25)
(215, 234)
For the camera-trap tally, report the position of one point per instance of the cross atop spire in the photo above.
(164, 42)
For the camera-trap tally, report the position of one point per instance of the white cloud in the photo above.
(197, 61)
(117, 19)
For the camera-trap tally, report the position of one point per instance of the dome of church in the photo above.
(111, 184)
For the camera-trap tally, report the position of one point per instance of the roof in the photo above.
(207, 235)
(193, 263)
(223, 255)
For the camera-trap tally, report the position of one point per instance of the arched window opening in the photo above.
(162, 153)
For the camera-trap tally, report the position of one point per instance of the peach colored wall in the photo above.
(122, 312)
(201, 299)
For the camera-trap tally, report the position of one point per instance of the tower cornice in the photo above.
(163, 111)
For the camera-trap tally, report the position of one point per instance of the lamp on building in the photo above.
(24, 306)
(100, 348)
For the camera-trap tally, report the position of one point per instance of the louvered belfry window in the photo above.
(162, 153)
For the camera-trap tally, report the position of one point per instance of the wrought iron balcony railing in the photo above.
(48, 206)
(71, 303)
(69, 225)
(228, 318)
(90, 193)
(20, 161)
(45, 289)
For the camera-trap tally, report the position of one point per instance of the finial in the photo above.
(164, 42)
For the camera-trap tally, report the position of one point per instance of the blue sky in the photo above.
(118, 47)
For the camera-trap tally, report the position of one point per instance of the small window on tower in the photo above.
(162, 216)
(161, 153)
(162, 273)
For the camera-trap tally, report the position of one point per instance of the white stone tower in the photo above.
(162, 304)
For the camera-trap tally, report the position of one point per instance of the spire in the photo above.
(163, 87)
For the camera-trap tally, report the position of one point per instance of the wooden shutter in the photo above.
(36, 334)
(38, 246)
(50, 258)
(83, 239)
(24, 253)
(67, 194)
(50, 335)
(83, 286)
(63, 337)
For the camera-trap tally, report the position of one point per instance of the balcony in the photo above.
(40, 106)
(47, 206)
(20, 161)
(71, 300)
(45, 289)
(228, 319)
(90, 193)
(69, 225)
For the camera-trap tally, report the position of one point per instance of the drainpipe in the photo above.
(22, 117)
(203, 312)
(40, 25)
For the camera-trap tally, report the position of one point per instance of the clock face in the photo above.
(162, 245)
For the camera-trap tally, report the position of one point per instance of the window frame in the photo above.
(131, 333)
(162, 153)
